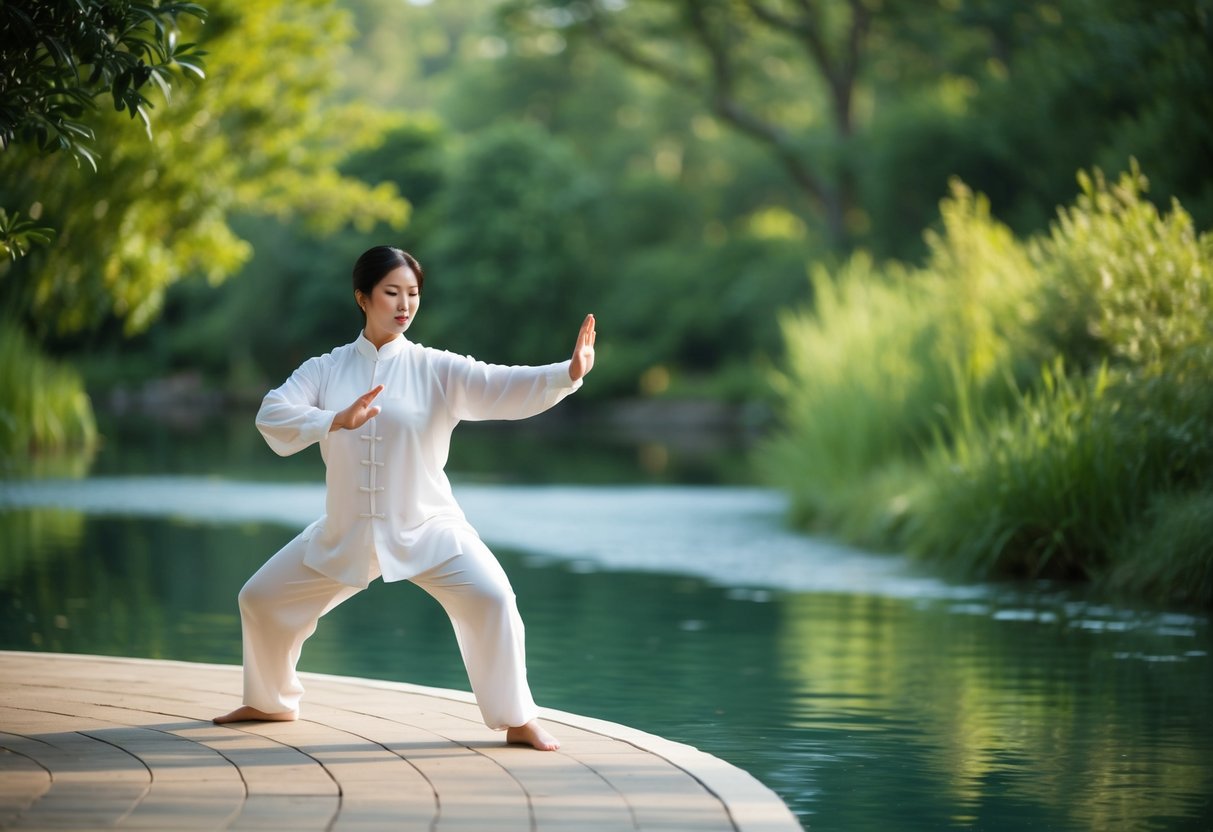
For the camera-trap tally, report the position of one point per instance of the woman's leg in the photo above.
(279, 608)
(476, 594)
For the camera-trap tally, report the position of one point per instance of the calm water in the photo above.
(870, 695)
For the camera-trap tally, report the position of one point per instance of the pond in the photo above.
(660, 589)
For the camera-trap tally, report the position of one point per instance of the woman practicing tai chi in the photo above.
(382, 409)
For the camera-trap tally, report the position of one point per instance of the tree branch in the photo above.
(719, 92)
(631, 55)
(726, 104)
(776, 20)
(843, 81)
(807, 30)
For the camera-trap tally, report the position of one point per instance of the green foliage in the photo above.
(890, 357)
(509, 259)
(686, 234)
(260, 136)
(914, 390)
(1122, 281)
(870, 107)
(43, 406)
(1168, 553)
(17, 235)
(692, 246)
(1055, 487)
(60, 55)
(1101, 82)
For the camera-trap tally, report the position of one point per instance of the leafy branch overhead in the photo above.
(57, 57)
(18, 235)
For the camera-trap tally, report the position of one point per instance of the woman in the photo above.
(382, 409)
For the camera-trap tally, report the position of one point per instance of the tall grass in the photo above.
(1013, 408)
(43, 405)
(891, 357)
(1169, 551)
(1055, 487)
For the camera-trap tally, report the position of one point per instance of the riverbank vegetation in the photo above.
(1034, 407)
(43, 403)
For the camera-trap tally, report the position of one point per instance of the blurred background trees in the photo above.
(692, 171)
(676, 166)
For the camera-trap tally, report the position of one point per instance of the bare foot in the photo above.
(246, 713)
(532, 734)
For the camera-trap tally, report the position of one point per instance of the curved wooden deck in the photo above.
(90, 742)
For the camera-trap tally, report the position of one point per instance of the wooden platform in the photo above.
(90, 742)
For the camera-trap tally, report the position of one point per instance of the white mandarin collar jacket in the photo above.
(387, 495)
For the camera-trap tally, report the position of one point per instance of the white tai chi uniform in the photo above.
(389, 512)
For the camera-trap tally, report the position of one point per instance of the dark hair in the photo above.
(375, 263)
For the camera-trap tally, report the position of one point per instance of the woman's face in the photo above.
(391, 305)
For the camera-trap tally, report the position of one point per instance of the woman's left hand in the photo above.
(583, 350)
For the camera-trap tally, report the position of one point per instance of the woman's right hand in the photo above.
(359, 413)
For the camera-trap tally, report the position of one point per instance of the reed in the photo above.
(918, 415)
(889, 358)
(43, 405)
(1055, 487)
(1168, 553)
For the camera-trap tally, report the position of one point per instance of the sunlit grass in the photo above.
(43, 405)
(1057, 486)
(890, 358)
(1014, 408)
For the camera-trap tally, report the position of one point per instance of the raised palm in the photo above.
(583, 350)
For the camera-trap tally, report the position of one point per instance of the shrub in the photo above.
(1169, 552)
(43, 405)
(918, 416)
(1121, 280)
(890, 357)
(1052, 488)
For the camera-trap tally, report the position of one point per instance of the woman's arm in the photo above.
(290, 417)
(477, 391)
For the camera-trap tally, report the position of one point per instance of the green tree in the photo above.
(682, 239)
(244, 343)
(60, 56)
(509, 258)
(870, 106)
(724, 55)
(264, 135)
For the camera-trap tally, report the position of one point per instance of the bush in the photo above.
(1122, 281)
(918, 418)
(43, 406)
(1169, 552)
(891, 357)
(1053, 488)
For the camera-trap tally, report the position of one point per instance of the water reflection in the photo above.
(865, 712)
(1012, 721)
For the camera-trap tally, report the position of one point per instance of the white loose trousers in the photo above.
(282, 603)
